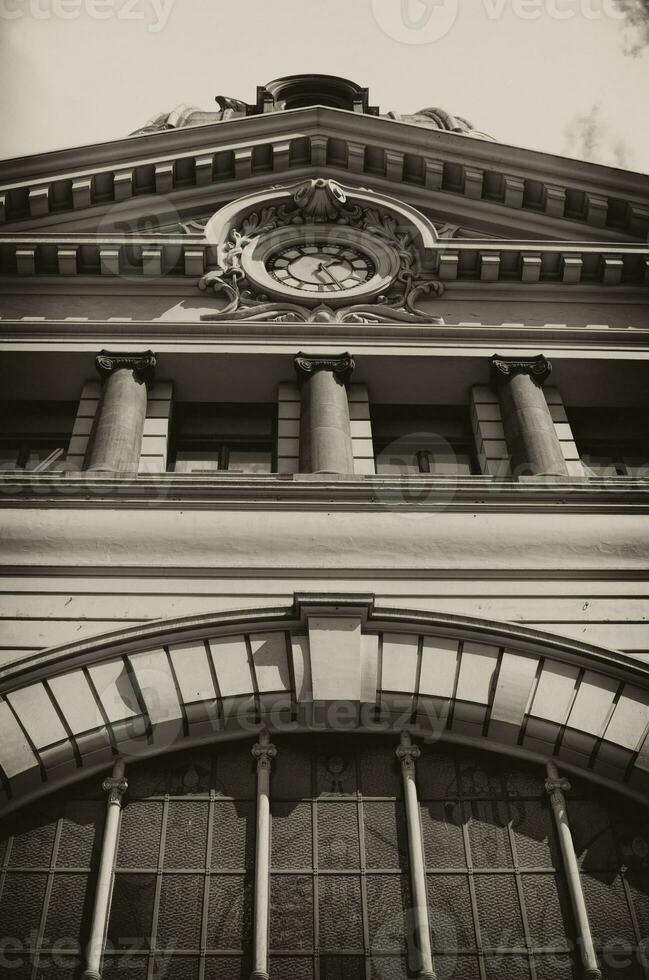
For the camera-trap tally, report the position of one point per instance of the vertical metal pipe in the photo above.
(407, 753)
(555, 787)
(115, 785)
(264, 752)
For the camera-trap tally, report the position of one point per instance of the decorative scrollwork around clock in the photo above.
(316, 203)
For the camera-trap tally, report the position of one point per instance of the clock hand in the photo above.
(325, 268)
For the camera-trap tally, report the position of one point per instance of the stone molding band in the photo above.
(143, 365)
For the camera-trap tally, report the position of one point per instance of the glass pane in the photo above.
(131, 911)
(45, 458)
(499, 910)
(386, 844)
(21, 906)
(70, 910)
(181, 907)
(32, 843)
(139, 835)
(233, 835)
(534, 835)
(250, 460)
(451, 917)
(548, 914)
(608, 908)
(81, 834)
(230, 912)
(507, 968)
(489, 835)
(291, 912)
(291, 968)
(339, 903)
(193, 461)
(388, 902)
(338, 840)
(393, 463)
(441, 825)
(186, 836)
(291, 835)
(128, 967)
(176, 968)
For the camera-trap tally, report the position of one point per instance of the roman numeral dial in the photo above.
(321, 268)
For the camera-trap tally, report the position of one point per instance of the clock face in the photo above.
(321, 268)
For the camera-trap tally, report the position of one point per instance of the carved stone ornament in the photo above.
(264, 751)
(538, 368)
(115, 788)
(320, 207)
(555, 788)
(407, 753)
(142, 365)
(307, 364)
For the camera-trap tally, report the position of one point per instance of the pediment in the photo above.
(488, 188)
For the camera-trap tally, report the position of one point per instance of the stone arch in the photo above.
(326, 662)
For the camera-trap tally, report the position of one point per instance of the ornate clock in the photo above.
(321, 268)
(320, 264)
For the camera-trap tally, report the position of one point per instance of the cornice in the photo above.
(307, 492)
(149, 258)
(181, 338)
(438, 161)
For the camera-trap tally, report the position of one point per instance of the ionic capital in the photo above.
(115, 787)
(503, 368)
(142, 365)
(407, 753)
(307, 365)
(264, 751)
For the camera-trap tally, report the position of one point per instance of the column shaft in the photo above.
(530, 434)
(407, 753)
(555, 787)
(116, 439)
(115, 786)
(325, 428)
(264, 752)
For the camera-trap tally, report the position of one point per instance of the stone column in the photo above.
(115, 785)
(555, 787)
(116, 438)
(530, 435)
(325, 430)
(264, 752)
(407, 754)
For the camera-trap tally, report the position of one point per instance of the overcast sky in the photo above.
(546, 74)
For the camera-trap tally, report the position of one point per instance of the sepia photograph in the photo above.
(324, 490)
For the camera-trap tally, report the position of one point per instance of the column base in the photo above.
(90, 975)
(259, 975)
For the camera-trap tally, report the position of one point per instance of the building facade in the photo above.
(324, 637)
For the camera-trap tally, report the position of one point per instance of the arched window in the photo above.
(341, 903)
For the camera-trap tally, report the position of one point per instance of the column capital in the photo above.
(407, 753)
(538, 368)
(556, 787)
(143, 365)
(264, 751)
(115, 786)
(341, 365)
